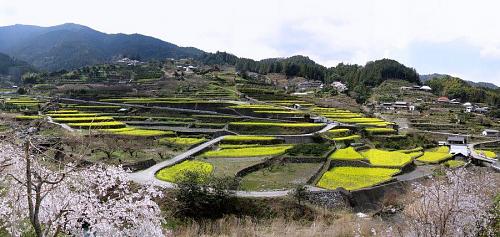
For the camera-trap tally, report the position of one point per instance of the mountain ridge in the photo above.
(70, 46)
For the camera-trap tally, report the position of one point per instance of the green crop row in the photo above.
(248, 151)
(185, 141)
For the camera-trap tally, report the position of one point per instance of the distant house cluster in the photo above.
(473, 108)
(398, 105)
(129, 62)
(310, 85)
(416, 87)
(188, 68)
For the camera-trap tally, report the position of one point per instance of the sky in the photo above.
(456, 37)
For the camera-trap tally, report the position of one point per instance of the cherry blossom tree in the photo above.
(455, 205)
(92, 201)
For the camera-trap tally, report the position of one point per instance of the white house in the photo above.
(426, 88)
(491, 133)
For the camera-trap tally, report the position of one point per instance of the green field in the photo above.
(279, 176)
(353, 178)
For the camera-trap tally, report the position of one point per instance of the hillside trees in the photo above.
(457, 88)
(96, 200)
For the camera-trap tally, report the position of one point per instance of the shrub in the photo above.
(202, 196)
(353, 178)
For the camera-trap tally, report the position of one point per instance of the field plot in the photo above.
(353, 178)
(274, 128)
(436, 155)
(183, 141)
(347, 153)
(279, 176)
(238, 139)
(231, 166)
(387, 158)
(248, 151)
(173, 173)
(487, 153)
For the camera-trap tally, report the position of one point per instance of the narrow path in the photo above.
(478, 156)
(64, 126)
(147, 176)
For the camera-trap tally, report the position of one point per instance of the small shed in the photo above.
(491, 133)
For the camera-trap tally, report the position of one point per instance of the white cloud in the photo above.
(328, 31)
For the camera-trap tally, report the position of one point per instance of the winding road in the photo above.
(147, 176)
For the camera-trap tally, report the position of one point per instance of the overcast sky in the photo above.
(456, 37)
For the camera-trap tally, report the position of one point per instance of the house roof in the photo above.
(456, 138)
(491, 130)
(443, 98)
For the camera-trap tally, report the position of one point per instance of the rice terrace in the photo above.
(128, 135)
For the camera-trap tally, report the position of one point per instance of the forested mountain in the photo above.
(293, 66)
(71, 46)
(489, 85)
(358, 78)
(456, 88)
(13, 67)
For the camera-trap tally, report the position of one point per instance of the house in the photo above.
(405, 88)
(309, 85)
(426, 88)
(443, 100)
(318, 119)
(456, 140)
(490, 133)
(482, 110)
(467, 104)
(469, 109)
(455, 101)
(297, 106)
(401, 105)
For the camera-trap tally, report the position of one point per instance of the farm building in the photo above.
(491, 133)
(309, 85)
